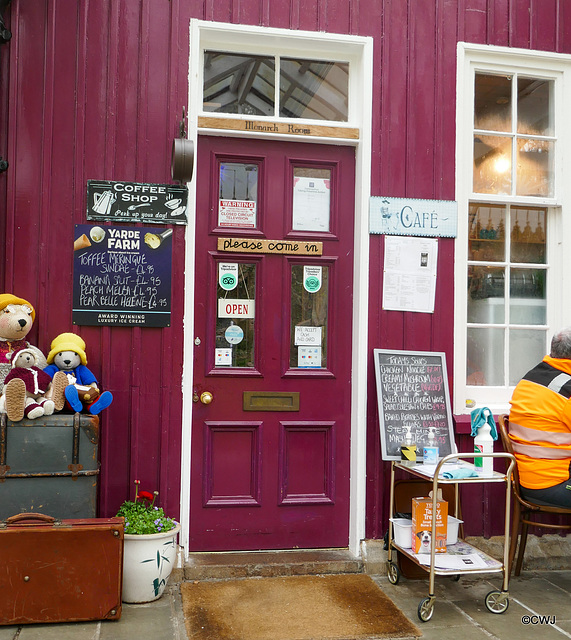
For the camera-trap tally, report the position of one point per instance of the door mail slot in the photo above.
(271, 401)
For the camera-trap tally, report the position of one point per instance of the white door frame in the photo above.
(359, 51)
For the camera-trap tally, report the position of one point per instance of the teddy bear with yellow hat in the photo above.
(17, 316)
(16, 319)
(68, 355)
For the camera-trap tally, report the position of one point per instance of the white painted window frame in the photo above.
(472, 58)
(358, 51)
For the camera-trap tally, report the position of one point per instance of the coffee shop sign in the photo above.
(136, 202)
(413, 217)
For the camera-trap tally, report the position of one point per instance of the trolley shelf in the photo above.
(461, 548)
(495, 601)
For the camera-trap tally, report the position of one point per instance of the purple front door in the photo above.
(272, 370)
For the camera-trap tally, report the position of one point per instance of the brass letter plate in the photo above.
(271, 401)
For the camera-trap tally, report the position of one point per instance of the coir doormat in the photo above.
(331, 607)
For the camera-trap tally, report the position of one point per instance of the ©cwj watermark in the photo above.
(537, 619)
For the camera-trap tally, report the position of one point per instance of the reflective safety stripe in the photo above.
(539, 435)
(548, 453)
(558, 382)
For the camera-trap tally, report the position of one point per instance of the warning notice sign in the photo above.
(237, 213)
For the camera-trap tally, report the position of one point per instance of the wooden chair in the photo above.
(524, 511)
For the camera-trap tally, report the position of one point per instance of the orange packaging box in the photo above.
(422, 525)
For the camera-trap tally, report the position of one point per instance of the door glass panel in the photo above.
(311, 199)
(235, 319)
(314, 89)
(238, 195)
(309, 303)
(235, 83)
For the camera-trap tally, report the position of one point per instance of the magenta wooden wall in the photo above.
(95, 90)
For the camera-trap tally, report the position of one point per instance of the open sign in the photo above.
(236, 308)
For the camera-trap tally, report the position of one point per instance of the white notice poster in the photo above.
(409, 275)
(311, 204)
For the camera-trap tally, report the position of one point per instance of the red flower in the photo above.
(146, 495)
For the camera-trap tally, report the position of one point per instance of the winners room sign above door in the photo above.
(253, 245)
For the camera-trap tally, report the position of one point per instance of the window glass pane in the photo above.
(311, 199)
(487, 237)
(527, 348)
(235, 83)
(534, 175)
(534, 106)
(238, 195)
(492, 102)
(492, 164)
(486, 293)
(314, 89)
(528, 234)
(309, 302)
(527, 296)
(235, 318)
(484, 362)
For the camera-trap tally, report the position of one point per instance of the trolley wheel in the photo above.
(456, 577)
(426, 609)
(393, 573)
(497, 602)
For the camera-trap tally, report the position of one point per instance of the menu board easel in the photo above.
(412, 394)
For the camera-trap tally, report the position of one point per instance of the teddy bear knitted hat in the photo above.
(14, 355)
(67, 342)
(8, 298)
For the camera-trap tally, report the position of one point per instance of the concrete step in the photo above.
(220, 566)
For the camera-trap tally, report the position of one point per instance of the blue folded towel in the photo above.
(459, 473)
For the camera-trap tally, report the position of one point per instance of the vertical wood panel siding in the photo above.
(95, 90)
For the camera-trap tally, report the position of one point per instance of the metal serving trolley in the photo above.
(496, 601)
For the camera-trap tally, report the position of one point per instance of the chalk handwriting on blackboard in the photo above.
(122, 276)
(412, 391)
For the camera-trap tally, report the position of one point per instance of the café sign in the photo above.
(413, 217)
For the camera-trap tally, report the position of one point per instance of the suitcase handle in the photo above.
(29, 516)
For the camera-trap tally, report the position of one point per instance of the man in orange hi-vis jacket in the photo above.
(540, 426)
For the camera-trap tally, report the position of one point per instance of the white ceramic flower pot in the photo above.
(147, 564)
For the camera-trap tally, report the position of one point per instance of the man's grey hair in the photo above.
(561, 344)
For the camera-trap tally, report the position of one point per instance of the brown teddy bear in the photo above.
(16, 319)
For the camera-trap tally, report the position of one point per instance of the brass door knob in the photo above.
(206, 397)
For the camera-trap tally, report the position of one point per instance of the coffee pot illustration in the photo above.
(102, 202)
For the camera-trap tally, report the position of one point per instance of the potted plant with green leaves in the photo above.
(149, 549)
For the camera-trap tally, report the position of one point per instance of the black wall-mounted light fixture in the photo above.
(182, 159)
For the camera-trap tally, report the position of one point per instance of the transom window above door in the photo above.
(275, 86)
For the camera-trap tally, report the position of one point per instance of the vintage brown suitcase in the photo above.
(60, 570)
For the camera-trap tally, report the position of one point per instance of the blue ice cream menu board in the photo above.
(122, 276)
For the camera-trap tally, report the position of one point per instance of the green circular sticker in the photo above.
(312, 284)
(228, 281)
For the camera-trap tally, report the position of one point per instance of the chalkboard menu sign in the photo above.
(136, 202)
(122, 276)
(412, 393)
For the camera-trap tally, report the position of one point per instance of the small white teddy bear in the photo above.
(25, 397)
